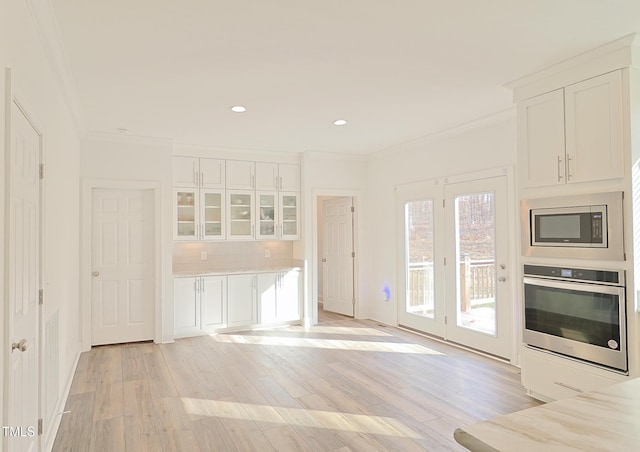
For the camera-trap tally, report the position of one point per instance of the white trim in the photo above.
(440, 135)
(318, 155)
(114, 137)
(51, 430)
(46, 24)
(358, 243)
(88, 185)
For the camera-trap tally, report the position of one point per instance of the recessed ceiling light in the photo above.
(339, 122)
(238, 109)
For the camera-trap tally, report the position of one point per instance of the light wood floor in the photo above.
(344, 385)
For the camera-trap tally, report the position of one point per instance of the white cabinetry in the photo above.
(289, 177)
(198, 214)
(198, 172)
(289, 215)
(240, 215)
(548, 377)
(240, 175)
(266, 176)
(267, 215)
(572, 134)
(241, 300)
(199, 304)
(279, 296)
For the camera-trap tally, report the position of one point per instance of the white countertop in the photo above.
(607, 420)
(232, 271)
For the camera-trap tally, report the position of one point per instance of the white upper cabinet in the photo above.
(541, 140)
(198, 172)
(593, 115)
(266, 176)
(240, 175)
(289, 177)
(185, 172)
(212, 173)
(572, 134)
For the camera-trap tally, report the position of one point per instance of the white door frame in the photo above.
(88, 185)
(358, 245)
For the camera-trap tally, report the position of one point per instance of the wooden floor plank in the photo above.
(346, 385)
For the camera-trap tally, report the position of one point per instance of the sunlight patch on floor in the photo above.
(361, 423)
(337, 330)
(335, 344)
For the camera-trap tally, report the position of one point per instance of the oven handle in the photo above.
(577, 286)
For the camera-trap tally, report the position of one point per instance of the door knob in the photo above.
(324, 259)
(96, 273)
(502, 266)
(22, 345)
(502, 279)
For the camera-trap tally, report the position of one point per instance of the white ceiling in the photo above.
(396, 69)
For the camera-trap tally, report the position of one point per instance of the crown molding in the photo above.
(623, 52)
(115, 137)
(451, 132)
(321, 155)
(46, 25)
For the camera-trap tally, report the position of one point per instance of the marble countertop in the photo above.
(607, 420)
(233, 271)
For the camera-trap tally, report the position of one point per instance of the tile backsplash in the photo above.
(230, 255)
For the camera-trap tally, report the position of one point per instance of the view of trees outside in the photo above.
(475, 230)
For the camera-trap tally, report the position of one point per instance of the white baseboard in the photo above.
(53, 424)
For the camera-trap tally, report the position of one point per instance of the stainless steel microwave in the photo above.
(582, 227)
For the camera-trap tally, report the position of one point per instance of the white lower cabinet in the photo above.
(241, 300)
(205, 304)
(548, 377)
(199, 304)
(279, 296)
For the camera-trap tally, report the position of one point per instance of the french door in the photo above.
(454, 262)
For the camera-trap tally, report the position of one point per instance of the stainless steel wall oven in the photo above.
(577, 312)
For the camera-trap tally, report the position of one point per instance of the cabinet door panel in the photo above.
(240, 212)
(289, 216)
(594, 128)
(213, 300)
(241, 301)
(212, 173)
(289, 177)
(541, 140)
(266, 176)
(288, 302)
(186, 223)
(186, 310)
(212, 211)
(267, 297)
(240, 175)
(266, 215)
(185, 171)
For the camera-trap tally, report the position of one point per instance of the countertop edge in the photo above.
(471, 442)
(243, 271)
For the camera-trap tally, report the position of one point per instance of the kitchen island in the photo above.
(606, 420)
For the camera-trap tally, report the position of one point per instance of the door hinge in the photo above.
(445, 261)
(353, 301)
(353, 209)
(445, 319)
(42, 171)
(443, 203)
(41, 296)
(40, 426)
(353, 254)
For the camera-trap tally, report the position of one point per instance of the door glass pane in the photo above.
(419, 248)
(240, 212)
(186, 214)
(476, 255)
(289, 215)
(213, 214)
(267, 214)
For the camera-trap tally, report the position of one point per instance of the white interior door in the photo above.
(338, 256)
(478, 308)
(122, 255)
(23, 265)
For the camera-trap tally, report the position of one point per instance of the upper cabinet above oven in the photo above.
(572, 134)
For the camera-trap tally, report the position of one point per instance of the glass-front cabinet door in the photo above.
(266, 215)
(289, 216)
(185, 216)
(240, 215)
(212, 215)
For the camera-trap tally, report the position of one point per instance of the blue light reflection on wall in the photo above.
(387, 292)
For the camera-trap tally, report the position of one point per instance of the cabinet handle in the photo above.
(280, 182)
(202, 285)
(568, 167)
(195, 285)
(253, 181)
(559, 175)
(559, 383)
(202, 179)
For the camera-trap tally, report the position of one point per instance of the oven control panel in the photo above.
(576, 274)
